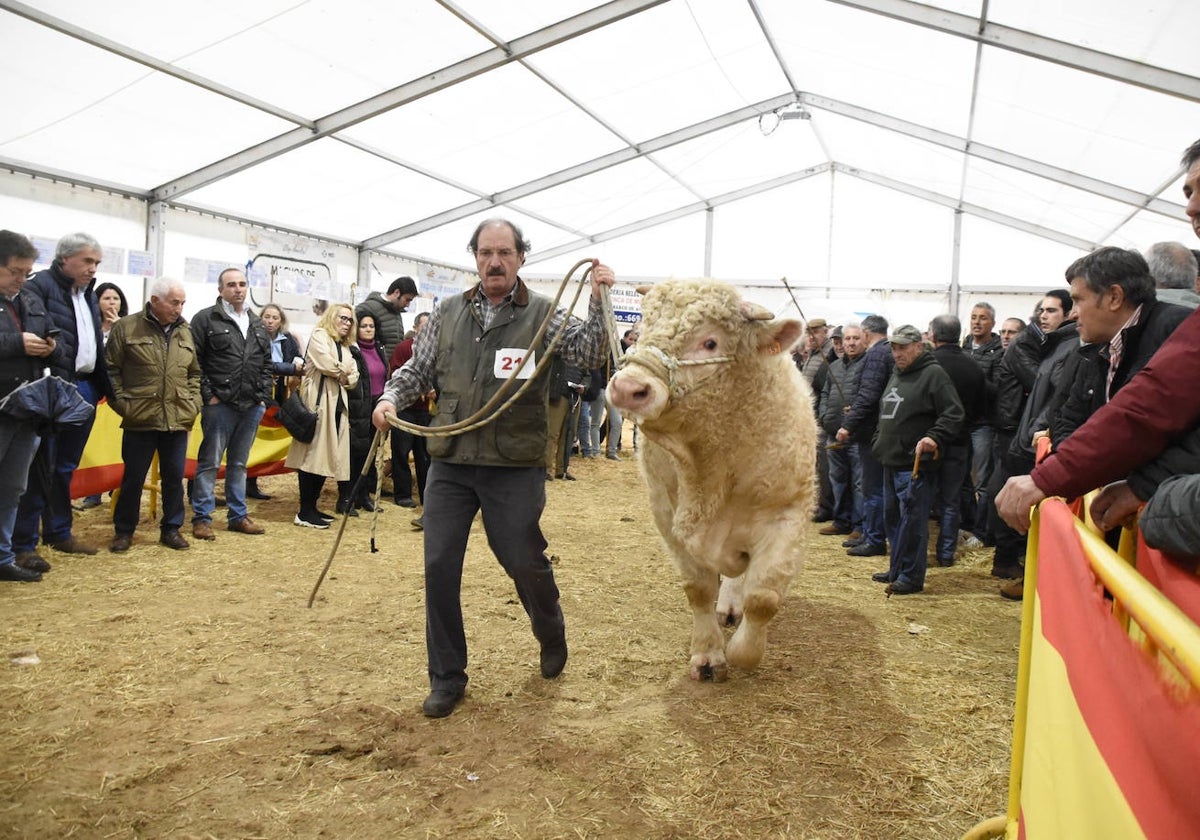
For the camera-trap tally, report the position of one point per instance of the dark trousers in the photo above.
(952, 476)
(1010, 545)
(907, 502)
(825, 499)
(402, 444)
(47, 499)
(511, 500)
(137, 451)
(310, 491)
(872, 492)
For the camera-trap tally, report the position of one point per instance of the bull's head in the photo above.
(693, 332)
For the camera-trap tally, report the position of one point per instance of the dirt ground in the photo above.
(193, 695)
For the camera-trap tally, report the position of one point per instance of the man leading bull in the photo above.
(467, 349)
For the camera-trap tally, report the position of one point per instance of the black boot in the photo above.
(344, 504)
(252, 491)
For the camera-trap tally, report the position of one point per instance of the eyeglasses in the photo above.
(345, 319)
(503, 253)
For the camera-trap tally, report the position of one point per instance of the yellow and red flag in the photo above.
(1111, 748)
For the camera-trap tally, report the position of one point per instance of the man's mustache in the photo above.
(495, 272)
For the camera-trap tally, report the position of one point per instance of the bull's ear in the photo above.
(780, 337)
(754, 312)
(642, 290)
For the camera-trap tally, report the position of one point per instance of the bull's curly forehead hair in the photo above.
(673, 311)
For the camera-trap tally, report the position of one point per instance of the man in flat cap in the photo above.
(920, 414)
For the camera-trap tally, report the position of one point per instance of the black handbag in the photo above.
(299, 419)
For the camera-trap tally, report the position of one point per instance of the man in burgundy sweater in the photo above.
(1146, 421)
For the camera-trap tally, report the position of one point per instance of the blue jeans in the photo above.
(591, 418)
(845, 474)
(908, 520)
(952, 476)
(614, 429)
(18, 444)
(137, 451)
(872, 495)
(982, 465)
(47, 500)
(229, 432)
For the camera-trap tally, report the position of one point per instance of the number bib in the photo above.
(507, 360)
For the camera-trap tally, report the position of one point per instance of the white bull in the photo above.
(728, 448)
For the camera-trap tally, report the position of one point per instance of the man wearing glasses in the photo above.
(468, 349)
(234, 352)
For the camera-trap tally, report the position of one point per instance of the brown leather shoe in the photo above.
(73, 546)
(31, 561)
(121, 543)
(203, 531)
(1013, 591)
(246, 525)
(833, 530)
(174, 539)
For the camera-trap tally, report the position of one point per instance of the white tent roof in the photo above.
(860, 143)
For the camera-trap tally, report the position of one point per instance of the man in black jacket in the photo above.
(25, 348)
(386, 309)
(235, 383)
(969, 382)
(65, 289)
(986, 349)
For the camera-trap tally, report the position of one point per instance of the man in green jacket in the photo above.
(919, 414)
(156, 382)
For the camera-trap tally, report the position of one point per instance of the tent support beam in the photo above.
(990, 153)
(1157, 79)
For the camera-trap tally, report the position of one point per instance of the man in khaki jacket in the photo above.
(156, 381)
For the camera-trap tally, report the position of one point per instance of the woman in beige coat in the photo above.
(329, 370)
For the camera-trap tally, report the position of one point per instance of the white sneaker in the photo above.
(299, 520)
(972, 542)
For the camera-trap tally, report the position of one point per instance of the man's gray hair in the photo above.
(1172, 265)
(73, 243)
(876, 324)
(991, 310)
(161, 287)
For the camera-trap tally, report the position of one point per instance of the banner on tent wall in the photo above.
(626, 304)
(297, 274)
(1106, 754)
(101, 468)
(438, 282)
(202, 271)
(141, 264)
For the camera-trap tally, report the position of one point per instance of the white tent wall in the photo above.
(48, 209)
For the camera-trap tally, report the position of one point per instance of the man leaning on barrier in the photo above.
(1149, 430)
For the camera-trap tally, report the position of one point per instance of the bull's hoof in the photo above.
(705, 671)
